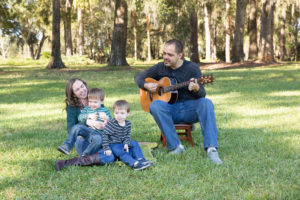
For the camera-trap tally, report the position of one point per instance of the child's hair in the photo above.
(96, 93)
(122, 104)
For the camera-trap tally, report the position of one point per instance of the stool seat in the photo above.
(184, 132)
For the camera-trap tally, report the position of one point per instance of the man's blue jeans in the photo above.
(190, 111)
(89, 135)
(135, 152)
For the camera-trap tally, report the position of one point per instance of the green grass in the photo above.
(257, 111)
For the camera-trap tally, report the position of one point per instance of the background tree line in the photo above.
(111, 30)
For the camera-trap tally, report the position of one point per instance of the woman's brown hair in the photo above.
(71, 99)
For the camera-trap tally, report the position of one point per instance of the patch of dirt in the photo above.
(246, 64)
(96, 69)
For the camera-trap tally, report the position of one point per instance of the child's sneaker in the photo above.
(143, 160)
(64, 149)
(140, 166)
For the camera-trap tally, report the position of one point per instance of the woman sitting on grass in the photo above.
(76, 100)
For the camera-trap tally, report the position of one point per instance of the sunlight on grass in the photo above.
(27, 110)
(285, 93)
(257, 111)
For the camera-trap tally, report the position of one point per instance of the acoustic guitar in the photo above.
(167, 90)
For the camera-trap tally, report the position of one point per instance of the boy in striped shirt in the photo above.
(94, 112)
(116, 139)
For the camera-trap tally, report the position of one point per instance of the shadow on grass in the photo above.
(116, 83)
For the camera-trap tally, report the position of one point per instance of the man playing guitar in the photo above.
(191, 105)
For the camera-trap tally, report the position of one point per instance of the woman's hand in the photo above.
(92, 116)
(107, 152)
(99, 125)
(96, 124)
(90, 123)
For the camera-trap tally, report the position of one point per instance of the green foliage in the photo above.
(46, 55)
(175, 16)
(25, 20)
(257, 111)
(32, 18)
(98, 28)
(139, 5)
(8, 25)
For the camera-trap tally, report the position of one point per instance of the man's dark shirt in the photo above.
(184, 73)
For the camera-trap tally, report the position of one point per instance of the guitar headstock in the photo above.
(205, 79)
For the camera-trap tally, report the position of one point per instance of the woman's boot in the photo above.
(88, 160)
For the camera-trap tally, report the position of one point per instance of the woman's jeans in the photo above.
(92, 139)
(135, 152)
(190, 111)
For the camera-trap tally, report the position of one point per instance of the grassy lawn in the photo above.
(257, 111)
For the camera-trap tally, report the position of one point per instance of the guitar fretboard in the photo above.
(176, 87)
(202, 80)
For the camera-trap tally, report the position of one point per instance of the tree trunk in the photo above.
(134, 34)
(118, 47)
(237, 48)
(38, 53)
(3, 48)
(55, 60)
(207, 35)
(194, 37)
(68, 29)
(266, 49)
(282, 33)
(252, 30)
(80, 37)
(296, 41)
(31, 49)
(214, 43)
(227, 37)
(148, 39)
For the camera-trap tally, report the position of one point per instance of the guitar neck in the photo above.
(176, 86)
(202, 80)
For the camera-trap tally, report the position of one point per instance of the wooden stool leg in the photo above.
(163, 139)
(189, 135)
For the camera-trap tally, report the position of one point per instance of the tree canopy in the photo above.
(210, 30)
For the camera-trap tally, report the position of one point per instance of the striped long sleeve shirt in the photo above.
(87, 110)
(114, 133)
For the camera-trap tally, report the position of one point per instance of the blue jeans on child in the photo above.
(190, 111)
(89, 135)
(82, 144)
(104, 159)
(135, 152)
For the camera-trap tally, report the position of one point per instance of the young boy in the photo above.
(116, 138)
(93, 113)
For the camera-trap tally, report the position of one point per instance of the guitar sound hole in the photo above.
(160, 91)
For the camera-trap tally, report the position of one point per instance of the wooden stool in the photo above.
(184, 132)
